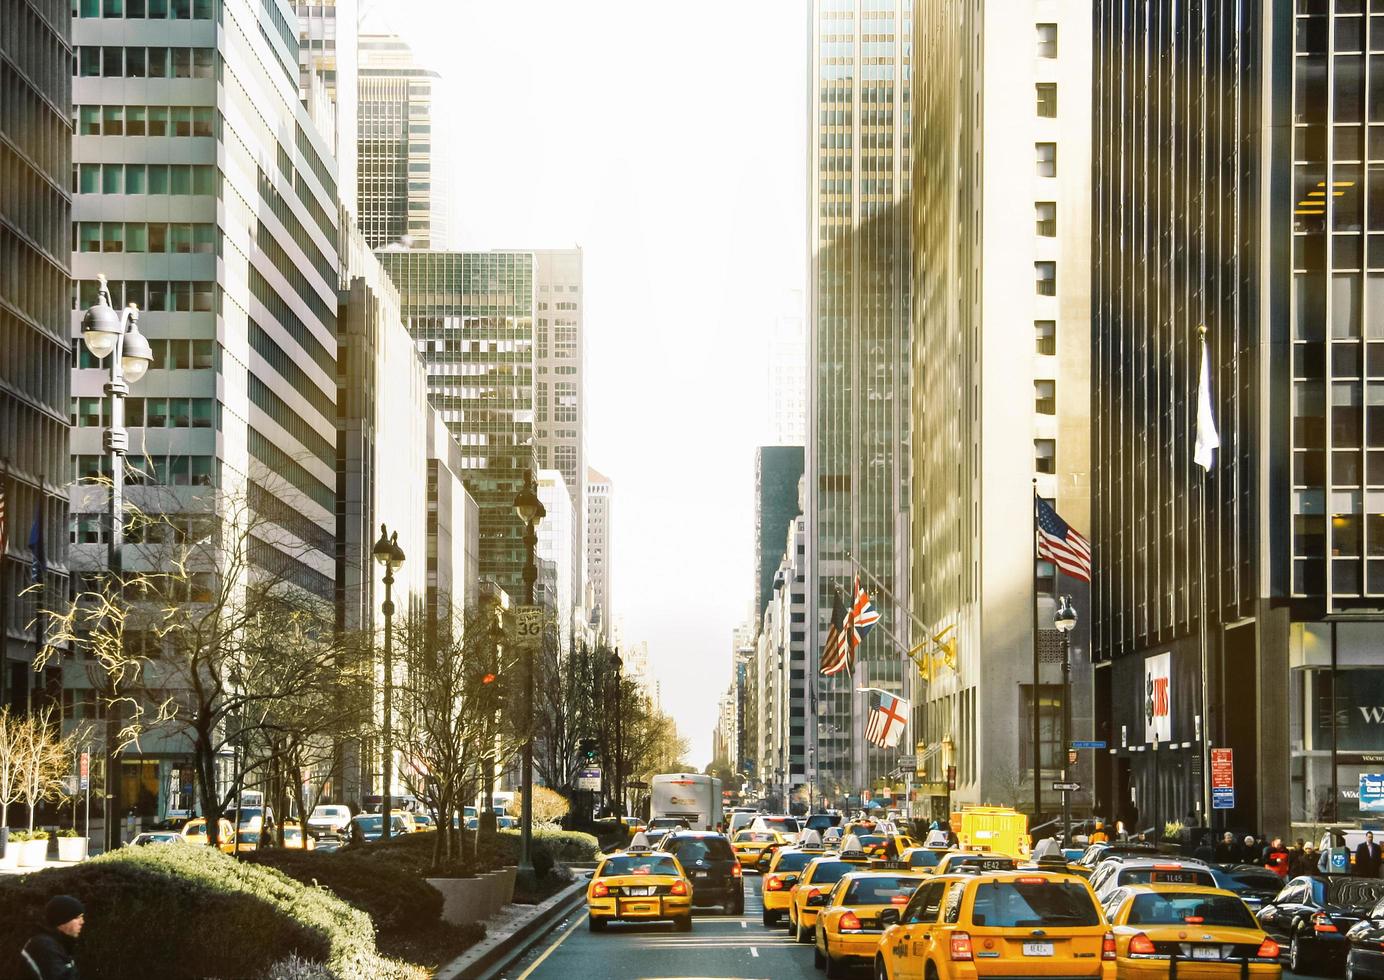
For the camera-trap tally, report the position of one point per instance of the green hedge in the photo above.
(396, 899)
(185, 912)
(414, 851)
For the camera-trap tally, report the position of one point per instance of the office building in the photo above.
(858, 363)
(1001, 391)
(453, 528)
(781, 651)
(560, 551)
(471, 317)
(401, 198)
(599, 532)
(36, 352)
(327, 35)
(788, 376)
(560, 366)
(777, 472)
(208, 197)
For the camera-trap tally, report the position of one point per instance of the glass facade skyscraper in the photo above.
(471, 315)
(858, 392)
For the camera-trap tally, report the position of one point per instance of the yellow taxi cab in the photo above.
(195, 830)
(1190, 932)
(809, 892)
(639, 885)
(983, 861)
(782, 874)
(974, 925)
(750, 846)
(848, 926)
(1047, 856)
(924, 859)
(295, 838)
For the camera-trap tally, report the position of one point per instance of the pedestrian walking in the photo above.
(49, 954)
(1306, 861)
(1277, 858)
(1228, 850)
(1367, 857)
(1251, 852)
(1098, 835)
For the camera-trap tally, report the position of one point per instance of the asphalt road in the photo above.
(718, 946)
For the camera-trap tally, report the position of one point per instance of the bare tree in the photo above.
(11, 752)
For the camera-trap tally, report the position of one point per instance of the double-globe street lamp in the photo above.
(530, 511)
(388, 553)
(107, 333)
(1065, 621)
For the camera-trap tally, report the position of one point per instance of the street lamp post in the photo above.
(530, 511)
(388, 553)
(107, 333)
(1065, 621)
(619, 795)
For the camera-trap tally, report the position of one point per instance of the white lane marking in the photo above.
(753, 951)
(744, 925)
(549, 951)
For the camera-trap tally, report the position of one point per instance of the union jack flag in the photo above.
(864, 615)
(887, 719)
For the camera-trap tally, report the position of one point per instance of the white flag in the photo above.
(1207, 439)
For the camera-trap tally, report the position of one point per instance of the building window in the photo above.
(1047, 99)
(1045, 397)
(1045, 274)
(1049, 725)
(1045, 216)
(1045, 455)
(1047, 40)
(1045, 335)
(1047, 159)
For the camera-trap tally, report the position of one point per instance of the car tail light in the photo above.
(1321, 922)
(1141, 945)
(899, 900)
(735, 871)
(961, 946)
(679, 888)
(1194, 920)
(774, 884)
(814, 893)
(849, 921)
(1031, 881)
(1107, 947)
(599, 890)
(1268, 949)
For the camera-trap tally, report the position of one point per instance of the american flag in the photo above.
(836, 651)
(887, 719)
(1060, 544)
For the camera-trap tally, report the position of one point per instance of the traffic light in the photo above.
(589, 749)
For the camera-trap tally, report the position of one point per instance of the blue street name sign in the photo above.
(1223, 798)
(1088, 745)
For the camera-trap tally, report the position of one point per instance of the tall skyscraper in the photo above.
(471, 317)
(782, 672)
(858, 387)
(206, 194)
(788, 377)
(561, 550)
(36, 352)
(1001, 394)
(598, 553)
(327, 33)
(401, 199)
(560, 366)
(778, 470)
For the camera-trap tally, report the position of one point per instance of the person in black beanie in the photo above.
(48, 955)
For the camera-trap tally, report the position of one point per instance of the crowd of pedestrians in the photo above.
(1301, 858)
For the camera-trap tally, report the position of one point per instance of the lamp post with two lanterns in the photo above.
(107, 333)
(390, 556)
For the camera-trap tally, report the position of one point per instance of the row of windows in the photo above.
(145, 470)
(271, 196)
(145, 120)
(290, 421)
(155, 296)
(138, 236)
(31, 203)
(145, 62)
(175, 354)
(150, 413)
(288, 369)
(143, 178)
(293, 275)
(290, 321)
(285, 466)
(145, 9)
(31, 123)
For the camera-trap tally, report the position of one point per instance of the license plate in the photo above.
(640, 890)
(700, 874)
(1037, 949)
(636, 907)
(1206, 952)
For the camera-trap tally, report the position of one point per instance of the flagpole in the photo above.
(1037, 725)
(1205, 653)
(879, 586)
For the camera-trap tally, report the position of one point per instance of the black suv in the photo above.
(713, 867)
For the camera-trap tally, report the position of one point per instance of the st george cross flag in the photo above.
(836, 651)
(1208, 439)
(887, 719)
(1060, 544)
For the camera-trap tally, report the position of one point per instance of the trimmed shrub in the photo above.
(184, 912)
(566, 845)
(395, 898)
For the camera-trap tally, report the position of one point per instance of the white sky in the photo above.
(668, 141)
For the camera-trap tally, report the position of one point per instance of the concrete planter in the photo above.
(10, 857)
(33, 853)
(464, 900)
(72, 848)
(507, 878)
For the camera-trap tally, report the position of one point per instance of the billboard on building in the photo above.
(1158, 700)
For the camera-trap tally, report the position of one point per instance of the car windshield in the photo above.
(1167, 876)
(821, 821)
(1023, 904)
(1177, 908)
(691, 849)
(867, 839)
(249, 814)
(1354, 893)
(638, 865)
(880, 890)
(793, 861)
(754, 837)
(825, 872)
(924, 859)
(784, 825)
(369, 823)
(1251, 883)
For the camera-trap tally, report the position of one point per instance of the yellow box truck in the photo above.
(992, 828)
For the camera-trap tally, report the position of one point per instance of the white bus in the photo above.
(692, 797)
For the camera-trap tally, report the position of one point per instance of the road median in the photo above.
(490, 956)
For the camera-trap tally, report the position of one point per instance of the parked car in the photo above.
(157, 837)
(195, 831)
(370, 826)
(1365, 958)
(1312, 915)
(1254, 884)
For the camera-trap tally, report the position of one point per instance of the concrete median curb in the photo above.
(487, 958)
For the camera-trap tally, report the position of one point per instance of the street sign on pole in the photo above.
(528, 624)
(1222, 779)
(84, 772)
(1067, 787)
(589, 779)
(908, 763)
